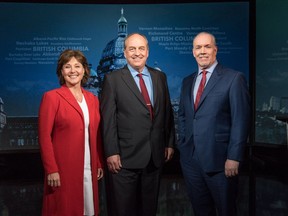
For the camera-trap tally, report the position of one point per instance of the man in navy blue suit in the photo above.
(213, 135)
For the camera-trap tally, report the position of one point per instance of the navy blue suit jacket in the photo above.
(218, 129)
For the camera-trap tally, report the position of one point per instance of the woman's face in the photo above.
(73, 72)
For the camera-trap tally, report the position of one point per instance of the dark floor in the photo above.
(23, 198)
(263, 188)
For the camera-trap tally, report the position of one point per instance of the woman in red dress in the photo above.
(70, 142)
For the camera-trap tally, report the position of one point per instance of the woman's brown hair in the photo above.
(65, 57)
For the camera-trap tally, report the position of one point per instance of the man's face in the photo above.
(136, 52)
(204, 50)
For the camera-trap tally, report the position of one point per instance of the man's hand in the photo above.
(231, 168)
(114, 163)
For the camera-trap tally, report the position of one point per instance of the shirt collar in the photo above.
(134, 72)
(210, 69)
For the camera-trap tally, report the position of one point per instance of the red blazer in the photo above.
(61, 139)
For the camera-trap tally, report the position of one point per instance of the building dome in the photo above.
(122, 19)
(112, 56)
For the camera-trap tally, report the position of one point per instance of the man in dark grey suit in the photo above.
(212, 134)
(137, 142)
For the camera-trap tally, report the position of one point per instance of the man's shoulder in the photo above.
(190, 77)
(225, 69)
(117, 72)
(156, 71)
(229, 73)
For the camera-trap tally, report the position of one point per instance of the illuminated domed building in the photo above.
(113, 56)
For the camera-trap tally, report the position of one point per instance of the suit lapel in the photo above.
(216, 75)
(191, 90)
(67, 95)
(154, 78)
(130, 82)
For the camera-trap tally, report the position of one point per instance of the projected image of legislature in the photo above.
(33, 40)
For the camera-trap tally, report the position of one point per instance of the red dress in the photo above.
(61, 139)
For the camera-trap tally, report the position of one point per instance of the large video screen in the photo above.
(34, 34)
(271, 73)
